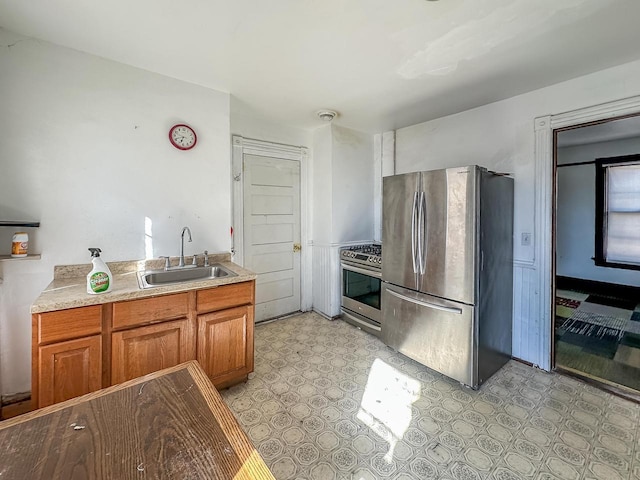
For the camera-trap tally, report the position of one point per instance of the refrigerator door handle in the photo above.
(414, 254)
(435, 306)
(422, 234)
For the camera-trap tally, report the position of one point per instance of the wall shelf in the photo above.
(9, 223)
(28, 257)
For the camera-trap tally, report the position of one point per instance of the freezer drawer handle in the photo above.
(426, 304)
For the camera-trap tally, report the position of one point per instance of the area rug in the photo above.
(599, 336)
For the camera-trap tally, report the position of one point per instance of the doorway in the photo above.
(596, 246)
(269, 224)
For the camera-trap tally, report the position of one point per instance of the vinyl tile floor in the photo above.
(329, 401)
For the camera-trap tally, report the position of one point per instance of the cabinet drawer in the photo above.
(225, 296)
(68, 324)
(138, 312)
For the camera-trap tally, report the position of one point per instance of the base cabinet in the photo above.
(80, 350)
(69, 369)
(148, 349)
(225, 344)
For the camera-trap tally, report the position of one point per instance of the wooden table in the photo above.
(169, 424)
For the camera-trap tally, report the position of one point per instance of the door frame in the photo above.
(546, 128)
(242, 146)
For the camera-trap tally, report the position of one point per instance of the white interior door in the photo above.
(272, 233)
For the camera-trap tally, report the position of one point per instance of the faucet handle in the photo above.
(206, 258)
(167, 263)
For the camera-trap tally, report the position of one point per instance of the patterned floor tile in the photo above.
(328, 401)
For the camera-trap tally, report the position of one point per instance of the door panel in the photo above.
(449, 234)
(225, 342)
(148, 349)
(435, 332)
(272, 233)
(398, 193)
(69, 369)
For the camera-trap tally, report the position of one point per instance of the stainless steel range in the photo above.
(361, 286)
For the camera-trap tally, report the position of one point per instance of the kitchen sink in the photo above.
(158, 278)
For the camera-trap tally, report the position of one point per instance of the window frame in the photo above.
(601, 205)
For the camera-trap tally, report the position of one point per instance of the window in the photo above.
(618, 212)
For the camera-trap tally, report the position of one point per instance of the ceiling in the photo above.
(382, 64)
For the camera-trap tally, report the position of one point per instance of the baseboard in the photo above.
(613, 388)
(601, 288)
(324, 315)
(15, 409)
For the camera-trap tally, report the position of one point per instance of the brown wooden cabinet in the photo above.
(80, 350)
(148, 349)
(69, 369)
(67, 354)
(225, 344)
(225, 332)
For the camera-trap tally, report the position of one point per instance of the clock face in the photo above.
(182, 137)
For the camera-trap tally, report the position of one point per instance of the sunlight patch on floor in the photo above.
(386, 403)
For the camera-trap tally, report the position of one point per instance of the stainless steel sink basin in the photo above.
(158, 278)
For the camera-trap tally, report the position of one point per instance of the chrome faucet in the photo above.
(185, 229)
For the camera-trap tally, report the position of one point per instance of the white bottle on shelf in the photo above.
(20, 245)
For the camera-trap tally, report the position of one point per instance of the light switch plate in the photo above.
(526, 239)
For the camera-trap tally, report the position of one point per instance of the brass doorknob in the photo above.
(296, 247)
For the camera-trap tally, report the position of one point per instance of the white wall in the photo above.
(85, 150)
(249, 123)
(321, 185)
(575, 227)
(343, 208)
(342, 185)
(352, 184)
(501, 136)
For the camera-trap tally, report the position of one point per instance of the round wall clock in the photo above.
(182, 137)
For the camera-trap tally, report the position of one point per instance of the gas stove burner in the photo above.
(372, 249)
(370, 254)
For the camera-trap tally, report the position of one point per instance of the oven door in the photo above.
(361, 291)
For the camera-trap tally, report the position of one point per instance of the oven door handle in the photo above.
(363, 271)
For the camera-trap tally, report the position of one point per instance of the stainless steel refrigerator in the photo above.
(447, 270)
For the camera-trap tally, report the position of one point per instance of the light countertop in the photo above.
(69, 286)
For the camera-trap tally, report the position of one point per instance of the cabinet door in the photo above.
(69, 369)
(225, 344)
(144, 350)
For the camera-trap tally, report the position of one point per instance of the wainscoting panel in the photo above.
(326, 279)
(528, 336)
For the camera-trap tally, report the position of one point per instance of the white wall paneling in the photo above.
(242, 146)
(326, 279)
(527, 326)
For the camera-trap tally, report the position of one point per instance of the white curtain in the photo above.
(623, 214)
